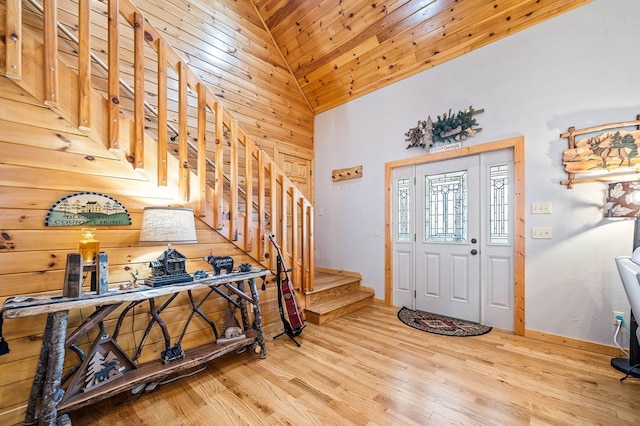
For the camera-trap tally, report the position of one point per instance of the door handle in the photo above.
(473, 241)
(474, 252)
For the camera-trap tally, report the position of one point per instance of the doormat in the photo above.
(440, 324)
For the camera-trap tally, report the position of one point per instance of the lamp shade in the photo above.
(168, 225)
(623, 200)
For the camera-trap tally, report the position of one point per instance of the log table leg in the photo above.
(258, 318)
(243, 307)
(41, 371)
(52, 392)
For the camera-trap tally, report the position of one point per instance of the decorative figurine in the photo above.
(168, 268)
(132, 283)
(219, 263)
(200, 274)
(245, 267)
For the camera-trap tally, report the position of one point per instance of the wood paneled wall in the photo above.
(226, 43)
(43, 159)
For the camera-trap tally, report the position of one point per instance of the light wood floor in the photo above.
(367, 368)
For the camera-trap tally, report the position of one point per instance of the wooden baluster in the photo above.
(233, 183)
(261, 205)
(218, 186)
(183, 173)
(284, 210)
(51, 53)
(304, 253)
(295, 244)
(248, 189)
(13, 41)
(138, 99)
(114, 75)
(84, 65)
(202, 150)
(162, 112)
(273, 214)
(310, 246)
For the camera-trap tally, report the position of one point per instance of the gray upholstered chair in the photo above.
(629, 269)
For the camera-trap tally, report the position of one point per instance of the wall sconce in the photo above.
(168, 225)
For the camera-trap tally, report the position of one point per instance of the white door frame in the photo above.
(517, 145)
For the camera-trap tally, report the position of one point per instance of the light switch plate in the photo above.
(543, 207)
(539, 232)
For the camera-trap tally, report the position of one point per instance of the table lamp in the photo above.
(168, 225)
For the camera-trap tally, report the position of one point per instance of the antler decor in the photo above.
(606, 152)
(448, 128)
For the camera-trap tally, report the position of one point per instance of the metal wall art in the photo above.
(87, 209)
(599, 153)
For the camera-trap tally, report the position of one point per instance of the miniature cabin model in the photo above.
(168, 268)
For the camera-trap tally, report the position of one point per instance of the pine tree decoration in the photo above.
(447, 128)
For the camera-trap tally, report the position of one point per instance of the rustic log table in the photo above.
(48, 399)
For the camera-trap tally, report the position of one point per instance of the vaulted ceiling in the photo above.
(338, 50)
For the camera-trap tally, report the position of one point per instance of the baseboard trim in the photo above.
(574, 343)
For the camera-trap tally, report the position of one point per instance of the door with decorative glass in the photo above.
(453, 244)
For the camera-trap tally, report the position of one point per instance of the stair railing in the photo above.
(232, 187)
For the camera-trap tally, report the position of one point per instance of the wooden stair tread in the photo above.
(323, 281)
(341, 301)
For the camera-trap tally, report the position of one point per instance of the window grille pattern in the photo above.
(404, 212)
(446, 207)
(499, 200)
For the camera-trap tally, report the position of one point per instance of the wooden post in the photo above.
(52, 392)
(257, 314)
(84, 65)
(114, 75)
(41, 371)
(243, 307)
(13, 41)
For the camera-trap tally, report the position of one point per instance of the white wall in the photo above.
(580, 69)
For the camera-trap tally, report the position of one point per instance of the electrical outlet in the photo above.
(615, 315)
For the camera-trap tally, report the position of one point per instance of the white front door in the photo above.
(453, 248)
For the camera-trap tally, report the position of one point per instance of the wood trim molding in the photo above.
(517, 145)
(574, 343)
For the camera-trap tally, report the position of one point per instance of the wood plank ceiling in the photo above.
(338, 50)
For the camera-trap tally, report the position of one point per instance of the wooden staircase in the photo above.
(221, 172)
(335, 294)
